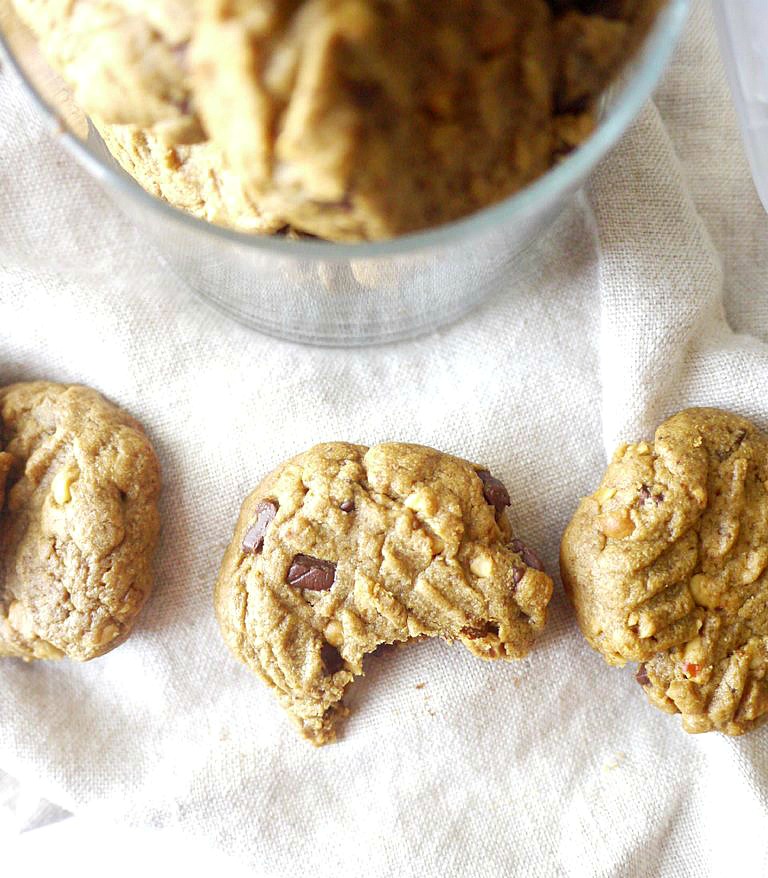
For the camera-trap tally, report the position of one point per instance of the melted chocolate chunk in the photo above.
(642, 676)
(347, 506)
(494, 491)
(310, 573)
(331, 658)
(517, 574)
(530, 558)
(645, 494)
(474, 633)
(253, 541)
(738, 437)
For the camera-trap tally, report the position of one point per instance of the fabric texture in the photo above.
(647, 295)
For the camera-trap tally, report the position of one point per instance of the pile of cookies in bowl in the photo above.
(345, 549)
(351, 121)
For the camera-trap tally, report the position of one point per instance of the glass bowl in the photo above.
(318, 292)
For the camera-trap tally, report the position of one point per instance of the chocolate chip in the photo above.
(364, 94)
(517, 574)
(530, 558)
(311, 573)
(475, 633)
(253, 541)
(472, 633)
(738, 437)
(347, 506)
(331, 658)
(494, 491)
(641, 676)
(645, 494)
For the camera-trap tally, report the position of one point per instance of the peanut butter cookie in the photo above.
(345, 548)
(78, 525)
(667, 565)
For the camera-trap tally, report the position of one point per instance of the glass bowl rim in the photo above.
(653, 56)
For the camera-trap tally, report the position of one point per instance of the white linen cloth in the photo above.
(649, 294)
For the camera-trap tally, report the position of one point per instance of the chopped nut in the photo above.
(106, 634)
(416, 627)
(643, 448)
(604, 494)
(45, 650)
(482, 566)
(60, 486)
(422, 500)
(620, 452)
(334, 633)
(646, 627)
(20, 619)
(694, 651)
(617, 525)
(705, 591)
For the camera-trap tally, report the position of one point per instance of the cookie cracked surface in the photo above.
(79, 484)
(345, 548)
(667, 565)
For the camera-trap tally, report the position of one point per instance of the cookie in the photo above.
(667, 565)
(190, 176)
(346, 548)
(260, 115)
(79, 522)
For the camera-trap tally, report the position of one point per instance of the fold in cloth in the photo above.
(648, 294)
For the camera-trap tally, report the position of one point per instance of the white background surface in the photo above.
(553, 765)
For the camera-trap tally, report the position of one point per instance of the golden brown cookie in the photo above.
(190, 176)
(345, 548)
(79, 524)
(667, 565)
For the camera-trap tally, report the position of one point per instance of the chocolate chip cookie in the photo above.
(78, 524)
(345, 548)
(667, 565)
(345, 120)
